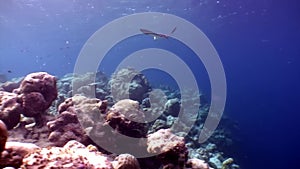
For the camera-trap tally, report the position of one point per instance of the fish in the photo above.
(157, 35)
(173, 30)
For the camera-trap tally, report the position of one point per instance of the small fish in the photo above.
(157, 35)
(173, 30)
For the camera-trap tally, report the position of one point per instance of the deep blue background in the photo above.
(258, 43)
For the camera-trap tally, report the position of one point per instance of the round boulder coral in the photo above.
(38, 91)
(126, 161)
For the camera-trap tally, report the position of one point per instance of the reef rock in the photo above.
(126, 117)
(10, 109)
(197, 164)
(3, 136)
(114, 130)
(37, 91)
(126, 161)
(9, 86)
(88, 84)
(72, 155)
(14, 153)
(66, 127)
(216, 162)
(89, 110)
(34, 96)
(172, 107)
(128, 83)
(170, 149)
(77, 114)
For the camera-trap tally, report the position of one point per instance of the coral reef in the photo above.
(67, 126)
(34, 96)
(119, 121)
(124, 161)
(87, 84)
(128, 83)
(10, 109)
(169, 148)
(197, 164)
(37, 92)
(79, 131)
(3, 136)
(14, 153)
(28, 132)
(154, 105)
(72, 155)
(172, 107)
(126, 117)
(9, 86)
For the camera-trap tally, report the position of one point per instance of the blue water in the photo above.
(257, 41)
